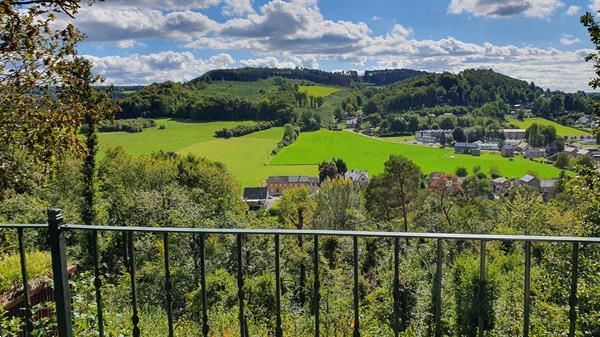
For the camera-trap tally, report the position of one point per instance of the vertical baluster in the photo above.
(203, 285)
(527, 291)
(240, 283)
(356, 332)
(396, 290)
(278, 331)
(573, 295)
(169, 297)
(134, 317)
(97, 283)
(438, 291)
(24, 277)
(316, 295)
(60, 276)
(482, 277)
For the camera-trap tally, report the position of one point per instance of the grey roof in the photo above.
(547, 183)
(500, 180)
(468, 145)
(255, 193)
(292, 179)
(527, 178)
(356, 174)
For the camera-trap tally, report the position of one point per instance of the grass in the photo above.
(318, 90)
(38, 264)
(369, 154)
(248, 157)
(561, 130)
(243, 156)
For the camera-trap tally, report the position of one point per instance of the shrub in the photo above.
(242, 129)
(38, 264)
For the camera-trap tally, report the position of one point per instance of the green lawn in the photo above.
(318, 90)
(561, 130)
(248, 157)
(366, 153)
(243, 156)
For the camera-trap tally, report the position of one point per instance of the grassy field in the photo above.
(248, 157)
(318, 90)
(243, 156)
(561, 130)
(369, 154)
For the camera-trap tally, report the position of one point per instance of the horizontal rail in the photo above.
(295, 232)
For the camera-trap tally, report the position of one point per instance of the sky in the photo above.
(144, 41)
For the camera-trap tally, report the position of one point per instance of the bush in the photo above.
(162, 127)
(290, 134)
(132, 125)
(38, 264)
(242, 129)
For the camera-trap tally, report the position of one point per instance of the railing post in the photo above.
(316, 295)
(59, 273)
(97, 284)
(203, 286)
(168, 285)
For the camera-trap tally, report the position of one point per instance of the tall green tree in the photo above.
(593, 28)
(389, 194)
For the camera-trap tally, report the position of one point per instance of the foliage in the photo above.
(290, 134)
(593, 29)
(335, 203)
(38, 264)
(253, 74)
(241, 130)
(132, 125)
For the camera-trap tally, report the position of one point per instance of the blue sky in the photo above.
(145, 41)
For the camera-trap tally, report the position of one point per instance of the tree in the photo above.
(445, 187)
(585, 161)
(459, 134)
(327, 169)
(335, 203)
(594, 31)
(36, 62)
(461, 172)
(340, 165)
(534, 135)
(389, 194)
(562, 161)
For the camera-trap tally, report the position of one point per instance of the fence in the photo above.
(57, 228)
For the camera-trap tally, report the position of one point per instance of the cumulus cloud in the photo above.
(237, 7)
(568, 40)
(505, 8)
(594, 5)
(157, 67)
(572, 10)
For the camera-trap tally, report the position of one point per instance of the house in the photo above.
(581, 138)
(433, 136)
(277, 184)
(255, 197)
(547, 187)
(530, 181)
(467, 148)
(352, 123)
(585, 120)
(501, 185)
(434, 178)
(358, 177)
(534, 152)
(488, 146)
(570, 151)
(507, 150)
(516, 134)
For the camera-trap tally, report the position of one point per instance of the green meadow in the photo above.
(318, 90)
(369, 154)
(249, 157)
(245, 156)
(561, 130)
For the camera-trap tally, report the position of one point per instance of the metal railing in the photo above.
(57, 229)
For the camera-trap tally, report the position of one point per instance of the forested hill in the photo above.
(254, 74)
(470, 88)
(390, 76)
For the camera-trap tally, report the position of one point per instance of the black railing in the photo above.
(57, 229)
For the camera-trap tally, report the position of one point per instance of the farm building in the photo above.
(277, 184)
(501, 185)
(534, 152)
(255, 197)
(488, 146)
(516, 134)
(433, 136)
(467, 148)
(358, 177)
(530, 181)
(508, 150)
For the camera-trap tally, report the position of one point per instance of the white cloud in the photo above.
(157, 67)
(572, 10)
(505, 8)
(375, 18)
(237, 7)
(568, 40)
(268, 61)
(594, 5)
